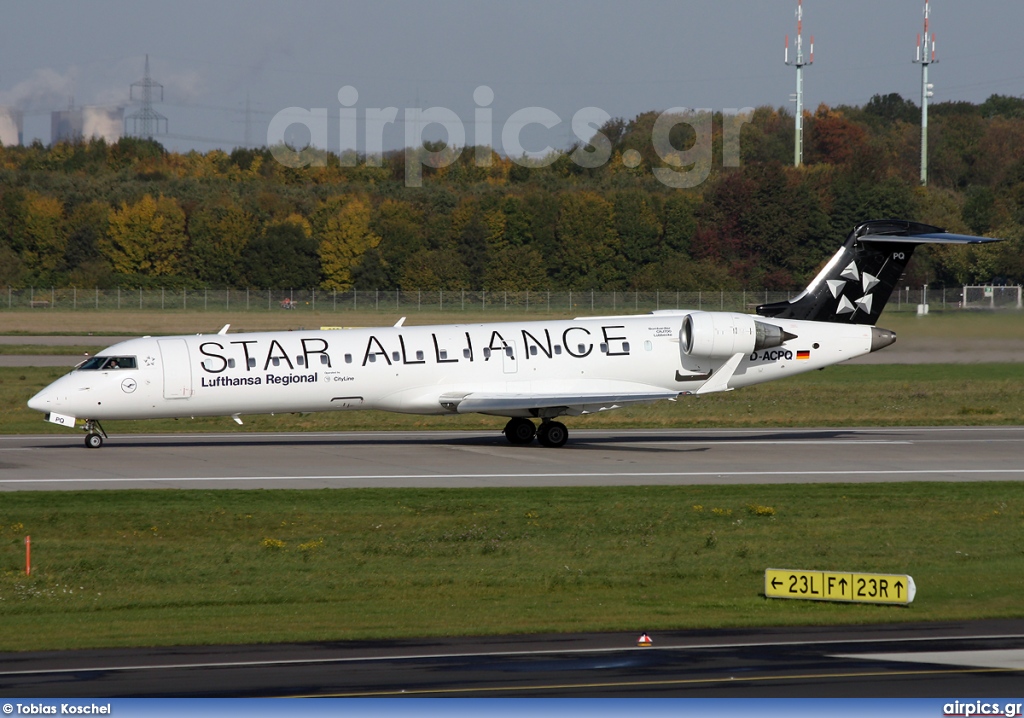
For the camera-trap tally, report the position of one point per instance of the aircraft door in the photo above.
(509, 358)
(177, 368)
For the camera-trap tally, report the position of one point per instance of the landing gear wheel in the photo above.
(552, 434)
(93, 441)
(519, 431)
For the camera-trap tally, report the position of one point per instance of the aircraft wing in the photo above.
(579, 403)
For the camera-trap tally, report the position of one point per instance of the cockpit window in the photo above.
(108, 363)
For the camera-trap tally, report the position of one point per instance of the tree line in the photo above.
(131, 214)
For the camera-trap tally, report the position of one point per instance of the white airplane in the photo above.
(522, 370)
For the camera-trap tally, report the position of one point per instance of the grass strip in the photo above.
(134, 568)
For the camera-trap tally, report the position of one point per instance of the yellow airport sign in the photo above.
(839, 586)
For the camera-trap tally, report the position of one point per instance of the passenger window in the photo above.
(465, 353)
(625, 347)
(373, 358)
(508, 351)
(275, 361)
(533, 350)
(348, 358)
(604, 348)
(231, 363)
(324, 359)
(444, 354)
(487, 353)
(580, 349)
(419, 355)
(301, 361)
(252, 362)
(395, 356)
(558, 348)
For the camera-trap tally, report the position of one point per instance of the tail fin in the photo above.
(855, 285)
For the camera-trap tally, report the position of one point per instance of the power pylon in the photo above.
(146, 117)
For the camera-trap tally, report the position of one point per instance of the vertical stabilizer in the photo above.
(855, 285)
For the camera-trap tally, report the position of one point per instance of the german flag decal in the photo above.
(803, 354)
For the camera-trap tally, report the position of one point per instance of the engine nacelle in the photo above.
(719, 335)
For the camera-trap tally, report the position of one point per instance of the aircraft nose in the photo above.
(43, 401)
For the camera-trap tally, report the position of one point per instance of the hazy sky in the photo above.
(564, 55)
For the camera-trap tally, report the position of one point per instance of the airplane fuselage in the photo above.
(425, 370)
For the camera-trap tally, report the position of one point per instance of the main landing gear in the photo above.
(521, 432)
(94, 435)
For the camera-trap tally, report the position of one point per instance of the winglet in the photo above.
(400, 322)
(224, 329)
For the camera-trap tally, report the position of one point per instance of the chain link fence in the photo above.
(403, 301)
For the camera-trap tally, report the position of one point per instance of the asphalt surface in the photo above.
(984, 658)
(482, 459)
(971, 659)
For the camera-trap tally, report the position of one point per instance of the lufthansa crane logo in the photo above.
(128, 386)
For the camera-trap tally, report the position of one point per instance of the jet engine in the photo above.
(719, 335)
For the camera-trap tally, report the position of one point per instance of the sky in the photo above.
(563, 55)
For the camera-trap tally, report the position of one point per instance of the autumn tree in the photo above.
(44, 236)
(587, 254)
(342, 228)
(147, 238)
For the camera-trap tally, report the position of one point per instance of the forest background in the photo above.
(133, 215)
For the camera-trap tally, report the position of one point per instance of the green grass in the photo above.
(193, 567)
(881, 395)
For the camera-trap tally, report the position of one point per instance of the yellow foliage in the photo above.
(147, 237)
(343, 229)
(44, 233)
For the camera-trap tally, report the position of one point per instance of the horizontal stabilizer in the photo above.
(929, 238)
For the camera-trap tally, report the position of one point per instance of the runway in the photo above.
(482, 459)
(970, 659)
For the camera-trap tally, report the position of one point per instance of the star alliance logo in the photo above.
(150, 361)
(853, 274)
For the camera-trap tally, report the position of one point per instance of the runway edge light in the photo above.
(644, 641)
(845, 586)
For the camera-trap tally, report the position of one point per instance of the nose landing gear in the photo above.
(94, 434)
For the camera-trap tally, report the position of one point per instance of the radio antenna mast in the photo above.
(925, 56)
(798, 150)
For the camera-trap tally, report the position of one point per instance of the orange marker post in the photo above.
(28, 555)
